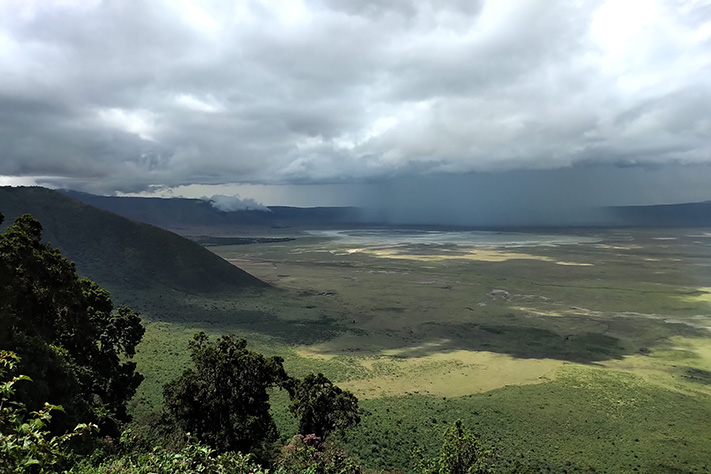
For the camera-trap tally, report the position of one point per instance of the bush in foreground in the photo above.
(26, 445)
(309, 454)
(193, 458)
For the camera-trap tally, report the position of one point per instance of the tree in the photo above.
(461, 453)
(224, 401)
(322, 407)
(72, 342)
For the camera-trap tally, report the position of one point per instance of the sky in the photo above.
(517, 104)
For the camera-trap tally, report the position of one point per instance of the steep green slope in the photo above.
(122, 254)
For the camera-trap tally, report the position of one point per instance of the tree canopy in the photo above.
(224, 401)
(461, 453)
(323, 407)
(72, 341)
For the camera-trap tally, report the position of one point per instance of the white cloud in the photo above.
(190, 102)
(139, 122)
(235, 203)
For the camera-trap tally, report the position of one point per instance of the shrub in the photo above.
(310, 455)
(26, 445)
(194, 457)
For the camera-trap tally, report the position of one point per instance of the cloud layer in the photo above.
(116, 96)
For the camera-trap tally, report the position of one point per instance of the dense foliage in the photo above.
(310, 454)
(193, 458)
(71, 340)
(461, 453)
(26, 445)
(323, 407)
(224, 401)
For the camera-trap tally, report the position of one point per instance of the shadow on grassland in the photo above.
(296, 332)
(289, 332)
(529, 342)
(221, 317)
(516, 337)
(536, 343)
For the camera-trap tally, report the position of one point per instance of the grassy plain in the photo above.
(592, 354)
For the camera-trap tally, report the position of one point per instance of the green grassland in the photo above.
(589, 356)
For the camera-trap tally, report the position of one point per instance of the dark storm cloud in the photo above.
(121, 95)
(573, 196)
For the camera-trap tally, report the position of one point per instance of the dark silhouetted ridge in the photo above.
(695, 214)
(189, 216)
(120, 253)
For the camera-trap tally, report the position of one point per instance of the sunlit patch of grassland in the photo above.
(702, 295)
(483, 255)
(682, 366)
(535, 312)
(700, 347)
(479, 254)
(451, 374)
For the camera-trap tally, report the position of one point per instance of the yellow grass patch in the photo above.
(538, 312)
(482, 255)
(449, 374)
(661, 367)
(703, 297)
(651, 368)
(700, 347)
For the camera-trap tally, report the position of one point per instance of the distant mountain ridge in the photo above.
(120, 253)
(184, 215)
(694, 214)
(190, 216)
